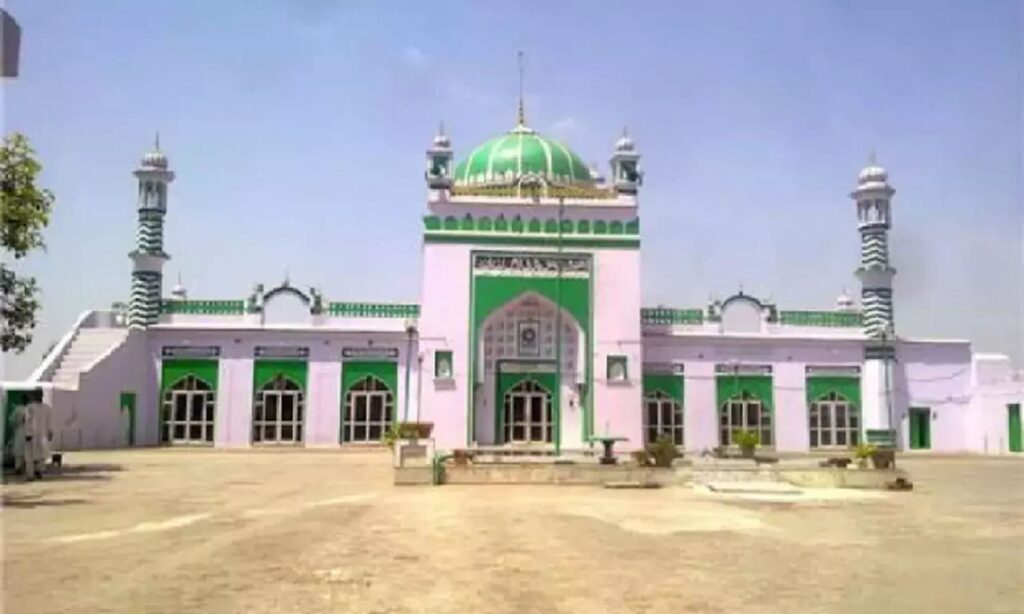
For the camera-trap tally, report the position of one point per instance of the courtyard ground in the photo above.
(305, 531)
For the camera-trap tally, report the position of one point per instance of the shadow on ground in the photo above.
(67, 473)
(34, 501)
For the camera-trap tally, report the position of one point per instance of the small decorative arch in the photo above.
(584, 227)
(551, 227)
(567, 227)
(467, 223)
(501, 224)
(533, 226)
(517, 224)
(451, 223)
(615, 228)
(600, 227)
(484, 224)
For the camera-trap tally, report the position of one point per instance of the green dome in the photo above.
(521, 152)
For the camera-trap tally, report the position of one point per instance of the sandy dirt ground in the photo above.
(298, 531)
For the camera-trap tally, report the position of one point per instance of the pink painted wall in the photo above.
(616, 305)
(937, 376)
(788, 358)
(233, 421)
(90, 417)
(444, 325)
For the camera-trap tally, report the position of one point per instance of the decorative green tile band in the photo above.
(215, 308)
(374, 310)
(666, 316)
(532, 226)
(831, 319)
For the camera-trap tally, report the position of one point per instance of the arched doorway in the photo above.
(278, 411)
(520, 342)
(663, 415)
(744, 412)
(834, 422)
(369, 411)
(188, 410)
(528, 416)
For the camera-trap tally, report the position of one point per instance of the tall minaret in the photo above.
(874, 216)
(149, 257)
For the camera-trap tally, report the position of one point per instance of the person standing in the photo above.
(38, 434)
(21, 437)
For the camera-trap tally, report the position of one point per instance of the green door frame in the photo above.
(14, 399)
(505, 381)
(127, 403)
(1014, 425)
(920, 428)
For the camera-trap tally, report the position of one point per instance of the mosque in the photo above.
(529, 331)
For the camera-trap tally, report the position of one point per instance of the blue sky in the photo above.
(297, 130)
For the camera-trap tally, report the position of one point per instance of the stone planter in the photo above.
(415, 430)
(883, 459)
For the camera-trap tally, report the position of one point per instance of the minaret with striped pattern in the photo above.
(149, 257)
(874, 215)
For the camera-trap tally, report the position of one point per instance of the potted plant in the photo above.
(392, 435)
(747, 441)
(415, 430)
(662, 451)
(883, 458)
(863, 452)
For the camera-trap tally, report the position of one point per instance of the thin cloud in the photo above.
(414, 56)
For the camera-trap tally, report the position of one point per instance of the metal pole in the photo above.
(409, 330)
(558, 331)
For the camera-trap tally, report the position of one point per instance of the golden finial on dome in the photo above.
(521, 118)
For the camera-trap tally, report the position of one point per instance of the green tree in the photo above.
(24, 212)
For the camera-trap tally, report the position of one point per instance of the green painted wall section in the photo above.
(127, 404)
(920, 428)
(264, 371)
(820, 385)
(174, 370)
(507, 381)
(758, 386)
(490, 293)
(14, 399)
(672, 385)
(1013, 422)
(353, 371)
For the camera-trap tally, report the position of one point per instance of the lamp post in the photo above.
(558, 329)
(410, 331)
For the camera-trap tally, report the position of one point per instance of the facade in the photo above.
(529, 331)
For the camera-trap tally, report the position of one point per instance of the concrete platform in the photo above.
(564, 474)
(753, 488)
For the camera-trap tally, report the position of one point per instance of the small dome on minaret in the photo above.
(624, 143)
(441, 140)
(873, 174)
(844, 302)
(155, 158)
(178, 292)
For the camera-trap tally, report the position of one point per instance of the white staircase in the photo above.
(88, 345)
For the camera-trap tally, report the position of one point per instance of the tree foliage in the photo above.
(24, 213)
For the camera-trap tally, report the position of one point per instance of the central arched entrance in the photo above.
(527, 414)
(531, 371)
